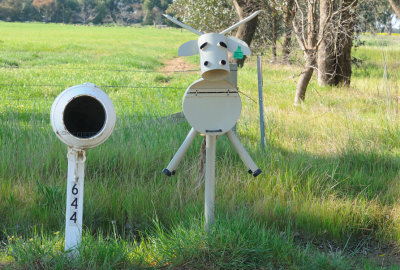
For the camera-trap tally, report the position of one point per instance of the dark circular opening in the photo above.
(222, 44)
(84, 117)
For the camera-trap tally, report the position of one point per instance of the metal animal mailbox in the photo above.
(82, 117)
(212, 104)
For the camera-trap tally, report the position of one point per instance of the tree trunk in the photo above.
(396, 7)
(274, 35)
(245, 31)
(287, 33)
(345, 42)
(326, 58)
(305, 77)
(389, 26)
(309, 47)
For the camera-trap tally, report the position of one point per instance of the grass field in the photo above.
(328, 197)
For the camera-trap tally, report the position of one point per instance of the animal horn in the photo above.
(241, 22)
(175, 21)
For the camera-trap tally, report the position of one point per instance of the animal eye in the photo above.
(222, 44)
(203, 45)
(222, 62)
(206, 63)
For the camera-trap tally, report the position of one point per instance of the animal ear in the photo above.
(189, 48)
(234, 43)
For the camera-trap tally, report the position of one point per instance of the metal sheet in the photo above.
(213, 110)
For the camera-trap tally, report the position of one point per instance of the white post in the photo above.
(211, 141)
(74, 209)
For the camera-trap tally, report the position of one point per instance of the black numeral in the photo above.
(73, 217)
(75, 203)
(74, 190)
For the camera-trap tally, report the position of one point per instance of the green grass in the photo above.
(327, 198)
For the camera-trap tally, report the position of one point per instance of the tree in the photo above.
(65, 10)
(205, 16)
(246, 31)
(328, 34)
(288, 14)
(326, 58)
(45, 7)
(374, 15)
(9, 9)
(87, 11)
(396, 6)
(306, 35)
(153, 10)
(344, 42)
(334, 52)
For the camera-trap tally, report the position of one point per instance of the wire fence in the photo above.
(95, 69)
(147, 105)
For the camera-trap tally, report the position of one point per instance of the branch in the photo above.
(298, 36)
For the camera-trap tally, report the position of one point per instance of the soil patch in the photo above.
(177, 64)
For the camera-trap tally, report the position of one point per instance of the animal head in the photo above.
(213, 49)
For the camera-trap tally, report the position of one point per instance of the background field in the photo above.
(328, 197)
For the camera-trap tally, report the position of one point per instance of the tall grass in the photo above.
(328, 194)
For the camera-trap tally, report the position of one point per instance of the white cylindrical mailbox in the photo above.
(83, 116)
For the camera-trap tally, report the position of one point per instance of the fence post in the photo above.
(260, 101)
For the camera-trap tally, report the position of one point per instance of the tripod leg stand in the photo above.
(170, 170)
(244, 156)
(209, 189)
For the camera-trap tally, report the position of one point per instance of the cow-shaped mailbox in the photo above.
(212, 104)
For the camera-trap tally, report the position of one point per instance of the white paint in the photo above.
(213, 57)
(236, 25)
(181, 151)
(57, 113)
(213, 54)
(212, 107)
(189, 48)
(74, 205)
(182, 25)
(209, 190)
(244, 156)
(233, 43)
(76, 154)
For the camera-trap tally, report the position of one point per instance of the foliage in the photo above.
(153, 10)
(215, 16)
(374, 16)
(82, 11)
(205, 16)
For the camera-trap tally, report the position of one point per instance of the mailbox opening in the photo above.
(84, 117)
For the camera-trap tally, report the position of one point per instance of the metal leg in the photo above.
(211, 141)
(244, 156)
(170, 170)
(74, 210)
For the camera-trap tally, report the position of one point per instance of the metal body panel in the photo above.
(212, 107)
(215, 55)
(57, 116)
(188, 48)
(233, 44)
